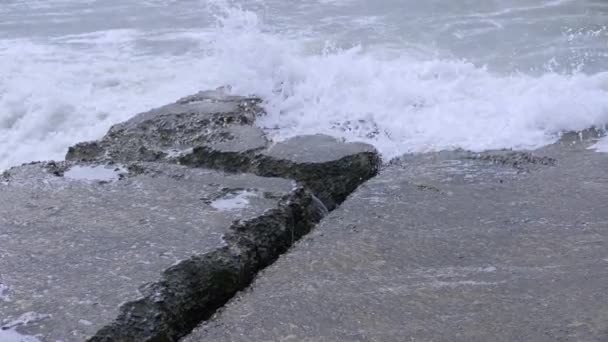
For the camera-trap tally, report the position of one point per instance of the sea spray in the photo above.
(65, 88)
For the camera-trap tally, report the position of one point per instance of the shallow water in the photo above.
(403, 75)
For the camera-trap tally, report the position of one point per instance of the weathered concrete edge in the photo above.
(330, 181)
(192, 290)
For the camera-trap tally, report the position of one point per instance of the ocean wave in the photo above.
(59, 91)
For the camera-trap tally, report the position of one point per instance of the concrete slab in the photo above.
(214, 119)
(331, 168)
(128, 242)
(215, 130)
(452, 246)
(78, 241)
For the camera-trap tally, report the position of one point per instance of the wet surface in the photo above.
(445, 247)
(73, 248)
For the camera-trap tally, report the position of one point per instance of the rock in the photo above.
(210, 118)
(215, 130)
(145, 233)
(330, 168)
(140, 255)
(450, 246)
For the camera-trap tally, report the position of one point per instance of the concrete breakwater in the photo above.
(149, 233)
(449, 246)
(145, 233)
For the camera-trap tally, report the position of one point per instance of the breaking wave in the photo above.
(57, 91)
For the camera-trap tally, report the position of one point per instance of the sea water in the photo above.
(403, 75)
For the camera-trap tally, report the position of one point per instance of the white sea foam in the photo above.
(58, 91)
(402, 104)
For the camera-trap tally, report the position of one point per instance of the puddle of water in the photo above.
(94, 173)
(3, 294)
(234, 201)
(8, 332)
(11, 335)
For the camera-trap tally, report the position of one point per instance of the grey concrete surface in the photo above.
(210, 119)
(330, 168)
(314, 149)
(452, 246)
(215, 130)
(122, 243)
(73, 248)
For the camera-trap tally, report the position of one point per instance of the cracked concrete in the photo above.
(122, 243)
(445, 246)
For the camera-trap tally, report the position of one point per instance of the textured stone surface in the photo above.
(452, 246)
(211, 119)
(74, 247)
(215, 130)
(121, 243)
(330, 168)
